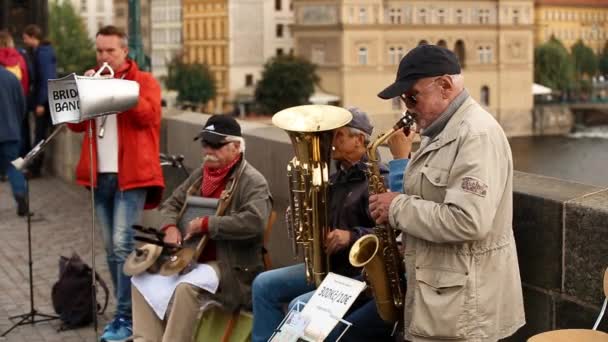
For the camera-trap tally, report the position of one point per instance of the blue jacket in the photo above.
(12, 106)
(45, 64)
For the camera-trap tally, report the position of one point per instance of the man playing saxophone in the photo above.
(349, 219)
(456, 209)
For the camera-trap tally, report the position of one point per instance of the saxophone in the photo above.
(378, 252)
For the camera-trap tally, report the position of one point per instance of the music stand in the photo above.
(21, 165)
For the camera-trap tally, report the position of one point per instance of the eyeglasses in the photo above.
(214, 146)
(411, 101)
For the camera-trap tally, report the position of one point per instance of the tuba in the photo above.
(378, 252)
(310, 128)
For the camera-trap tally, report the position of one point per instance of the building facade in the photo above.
(95, 14)
(358, 44)
(121, 20)
(166, 26)
(235, 38)
(572, 20)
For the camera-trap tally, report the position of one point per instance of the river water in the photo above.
(580, 157)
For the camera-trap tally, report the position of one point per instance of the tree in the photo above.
(603, 60)
(553, 66)
(73, 48)
(193, 82)
(286, 81)
(585, 61)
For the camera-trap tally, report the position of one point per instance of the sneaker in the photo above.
(119, 330)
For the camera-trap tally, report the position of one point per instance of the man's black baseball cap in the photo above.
(422, 61)
(217, 128)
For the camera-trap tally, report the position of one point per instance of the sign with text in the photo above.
(329, 304)
(74, 99)
(64, 102)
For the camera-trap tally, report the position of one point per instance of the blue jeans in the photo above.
(117, 211)
(9, 151)
(271, 290)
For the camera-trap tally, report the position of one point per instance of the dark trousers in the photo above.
(43, 128)
(26, 139)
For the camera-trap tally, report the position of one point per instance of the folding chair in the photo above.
(583, 335)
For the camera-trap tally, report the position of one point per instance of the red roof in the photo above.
(590, 3)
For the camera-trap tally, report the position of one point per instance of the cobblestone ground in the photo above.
(61, 225)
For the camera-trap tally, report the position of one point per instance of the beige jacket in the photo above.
(463, 278)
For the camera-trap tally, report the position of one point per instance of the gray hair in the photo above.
(240, 140)
(354, 131)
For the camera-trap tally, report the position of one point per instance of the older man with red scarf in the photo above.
(234, 251)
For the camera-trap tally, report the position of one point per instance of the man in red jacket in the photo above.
(128, 176)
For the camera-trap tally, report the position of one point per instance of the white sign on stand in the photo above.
(323, 312)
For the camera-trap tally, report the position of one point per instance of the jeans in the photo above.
(9, 151)
(271, 290)
(117, 211)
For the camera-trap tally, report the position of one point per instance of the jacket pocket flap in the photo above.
(440, 279)
(437, 177)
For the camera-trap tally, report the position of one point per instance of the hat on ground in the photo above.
(422, 61)
(218, 127)
(360, 120)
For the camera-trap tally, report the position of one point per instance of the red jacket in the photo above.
(11, 59)
(138, 141)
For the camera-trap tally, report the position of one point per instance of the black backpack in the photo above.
(72, 293)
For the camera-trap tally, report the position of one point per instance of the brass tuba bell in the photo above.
(310, 128)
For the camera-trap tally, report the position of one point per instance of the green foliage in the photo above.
(585, 61)
(193, 82)
(603, 60)
(287, 81)
(75, 51)
(553, 66)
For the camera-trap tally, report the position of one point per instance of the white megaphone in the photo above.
(78, 98)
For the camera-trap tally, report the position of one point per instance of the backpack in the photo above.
(72, 293)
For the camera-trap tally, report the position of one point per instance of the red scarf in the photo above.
(214, 178)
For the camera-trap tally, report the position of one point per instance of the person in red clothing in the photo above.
(233, 255)
(13, 61)
(128, 176)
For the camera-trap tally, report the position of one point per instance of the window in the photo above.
(277, 4)
(441, 16)
(399, 54)
(395, 16)
(422, 16)
(317, 55)
(485, 54)
(484, 16)
(485, 96)
(362, 54)
(442, 43)
(459, 16)
(248, 80)
(392, 57)
(279, 30)
(279, 52)
(459, 50)
(83, 5)
(515, 17)
(100, 6)
(362, 15)
(422, 42)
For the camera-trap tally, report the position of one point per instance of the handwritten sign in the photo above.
(328, 305)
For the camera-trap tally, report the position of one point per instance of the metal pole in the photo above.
(93, 276)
